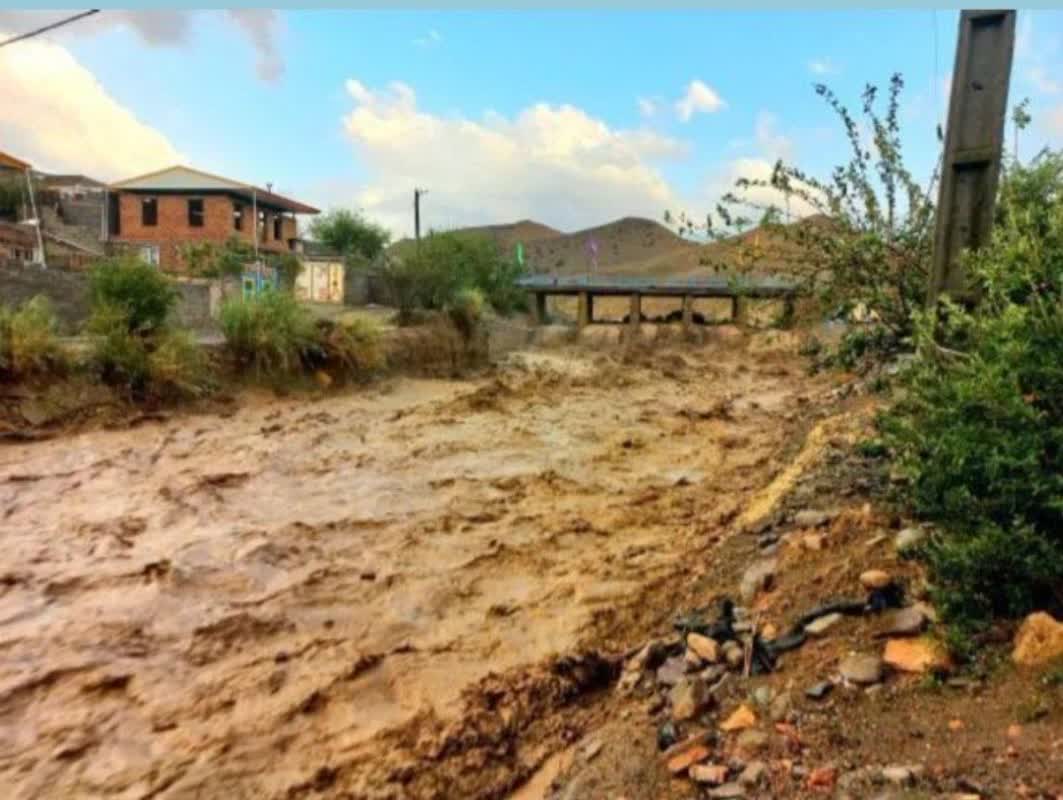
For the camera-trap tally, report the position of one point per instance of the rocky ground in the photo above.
(471, 588)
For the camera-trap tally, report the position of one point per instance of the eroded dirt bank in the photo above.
(305, 598)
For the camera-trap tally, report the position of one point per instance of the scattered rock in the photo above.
(820, 625)
(905, 622)
(689, 698)
(1038, 641)
(956, 725)
(592, 750)
(812, 541)
(753, 774)
(693, 660)
(812, 518)
(759, 576)
(875, 579)
(818, 691)
(909, 538)
(681, 762)
(822, 777)
(916, 655)
(928, 611)
(734, 654)
(861, 669)
(729, 791)
(740, 719)
(671, 671)
(762, 695)
(752, 741)
(1014, 731)
(706, 647)
(712, 774)
(769, 632)
(780, 707)
(899, 776)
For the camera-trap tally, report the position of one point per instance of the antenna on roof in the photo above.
(269, 188)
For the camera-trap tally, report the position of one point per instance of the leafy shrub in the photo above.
(119, 355)
(354, 346)
(466, 310)
(178, 366)
(29, 342)
(432, 276)
(144, 294)
(270, 332)
(978, 429)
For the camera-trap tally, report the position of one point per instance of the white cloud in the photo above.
(821, 66)
(555, 164)
(431, 39)
(647, 107)
(1044, 83)
(56, 115)
(699, 98)
(162, 28)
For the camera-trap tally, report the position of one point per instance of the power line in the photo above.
(51, 27)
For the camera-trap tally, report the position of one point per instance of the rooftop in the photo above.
(186, 179)
(8, 160)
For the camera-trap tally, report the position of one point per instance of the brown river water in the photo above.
(262, 604)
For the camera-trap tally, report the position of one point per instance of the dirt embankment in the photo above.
(414, 590)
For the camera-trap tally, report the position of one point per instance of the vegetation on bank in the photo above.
(456, 273)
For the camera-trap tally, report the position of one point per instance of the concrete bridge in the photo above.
(587, 287)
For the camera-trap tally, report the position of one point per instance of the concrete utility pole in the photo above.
(36, 217)
(974, 138)
(417, 213)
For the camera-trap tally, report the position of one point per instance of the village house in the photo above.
(160, 213)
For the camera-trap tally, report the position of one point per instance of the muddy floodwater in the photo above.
(272, 603)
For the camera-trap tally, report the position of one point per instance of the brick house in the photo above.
(159, 213)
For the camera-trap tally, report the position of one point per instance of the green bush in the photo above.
(29, 341)
(144, 294)
(432, 276)
(119, 356)
(978, 428)
(270, 332)
(178, 366)
(354, 346)
(466, 310)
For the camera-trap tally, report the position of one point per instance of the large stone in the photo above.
(811, 518)
(740, 719)
(689, 698)
(706, 648)
(916, 655)
(909, 538)
(861, 669)
(875, 579)
(1038, 641)
(757, 577)
(733, 654)
(711, 774)
(729, 791)
(670, 672)
(820, 625)
(905, 622)
(684, 760)
(899, 776)
(753, 774)
(752, 741)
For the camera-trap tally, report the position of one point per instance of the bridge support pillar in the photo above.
(635, 315)
(586, 309)
(688, 311)
(739, 310)
(538, 307)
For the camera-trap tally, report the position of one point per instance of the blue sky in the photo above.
(569, 118)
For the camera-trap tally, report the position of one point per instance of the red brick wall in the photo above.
(173, 230)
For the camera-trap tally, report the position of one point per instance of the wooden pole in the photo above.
(974, 138)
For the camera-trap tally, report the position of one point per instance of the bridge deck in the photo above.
(711, 286)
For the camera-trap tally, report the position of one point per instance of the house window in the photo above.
(238, 217)
(278, 227)
(150, 254)
(149, 211)
(195, 212)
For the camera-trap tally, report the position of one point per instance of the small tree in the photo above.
(126, 285)
(349, 234)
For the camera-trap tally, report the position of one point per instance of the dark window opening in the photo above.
(238, 217)
(114, 215)
(278, 228)
(149, 211)
(195, 212)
